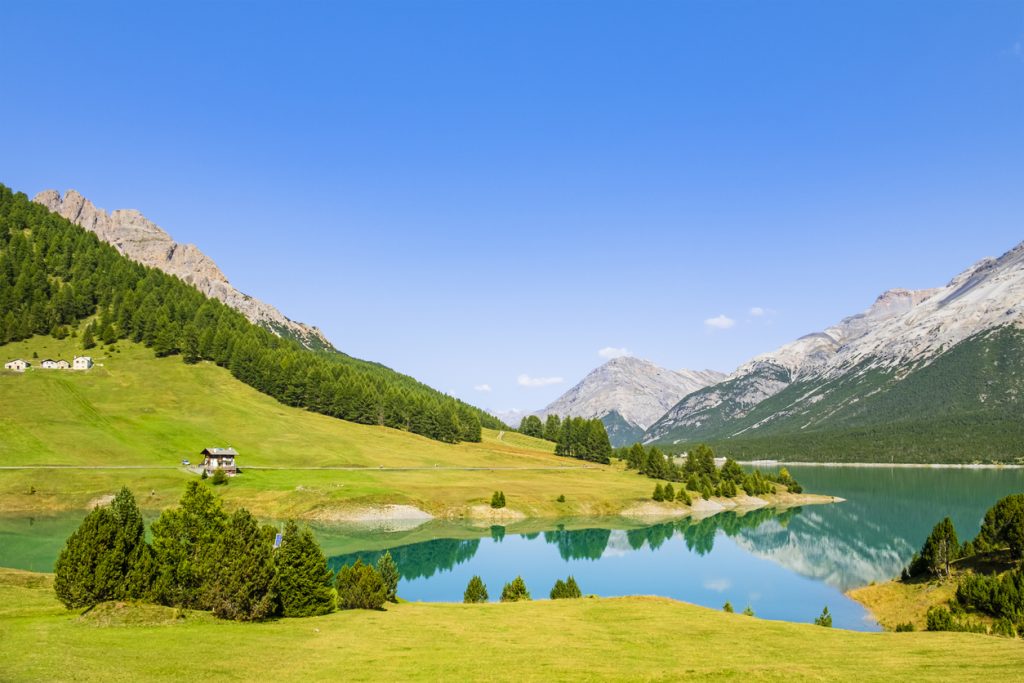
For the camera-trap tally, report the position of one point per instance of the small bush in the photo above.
(905, 627)
(748, 611)
(498, 500)
(360, 587)
(219, 477)
(683, 497)
(566, 589)
(476, 591)
(825, 619)
(561, 498)
(515, 590)
(659, 493)
(727, 607)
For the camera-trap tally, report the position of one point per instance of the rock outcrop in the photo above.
(141, 240)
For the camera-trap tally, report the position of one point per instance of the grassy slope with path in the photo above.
(608, 639)
(136, 410)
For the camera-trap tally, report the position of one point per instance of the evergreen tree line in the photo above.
(203, 558)
(549, 429)
(1000, 541)
(584, 440)
(56, 276)
(698, 473)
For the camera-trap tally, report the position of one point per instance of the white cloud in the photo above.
(612, 352)
(720, 322)
(757, 311)
(482, 387)
(718, 585)
(534, 382)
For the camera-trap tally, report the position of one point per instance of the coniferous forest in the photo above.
(59, 279)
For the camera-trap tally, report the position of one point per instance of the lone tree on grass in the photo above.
(659, 493)
(940, 549)
(515, 590)
(825, 619)
(304, 581)
(360, 587)
(476, 591)
(219, 477)
(498, 500)
(566, 589)
(727, 607)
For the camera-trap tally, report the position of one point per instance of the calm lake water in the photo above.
(785, 565)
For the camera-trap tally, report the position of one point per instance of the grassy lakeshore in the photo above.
(637, 638)
(144, 415)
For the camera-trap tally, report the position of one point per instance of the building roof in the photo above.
(48, 360)
(19, 360)
(218, 452)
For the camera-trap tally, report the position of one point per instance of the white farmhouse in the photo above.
(82, 363)
(49, 364)
(63, 365)
(18, 365)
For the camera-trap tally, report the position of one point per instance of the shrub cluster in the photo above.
(203, 558)
(700, 475)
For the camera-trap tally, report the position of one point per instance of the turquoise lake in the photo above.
(784, 564)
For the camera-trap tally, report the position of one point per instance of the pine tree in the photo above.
(659, 493)
(360, 587)
(825, 619)
(515, 591)
(242, 582)
(669, 493)
(389, 573)
(131, 552)
(87, 570)
(497, 500)
(304, 581)
(88, 341)
(476, 591)
(684, 497)
(940, 549)
(552, 426)
(183, 539)
(727, 607)
(565, 589)
(748, 611)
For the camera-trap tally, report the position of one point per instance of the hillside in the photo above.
(141, 240)
(57, 278)
(922, 376)
(625, 639)
(136, 411)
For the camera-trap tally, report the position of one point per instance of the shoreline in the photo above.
(887, 465)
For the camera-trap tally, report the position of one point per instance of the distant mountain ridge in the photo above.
(629, 394)
(141, 240)
(950, 352)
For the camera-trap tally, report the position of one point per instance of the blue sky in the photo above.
(473, 192)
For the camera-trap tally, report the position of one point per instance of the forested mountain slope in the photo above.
(141, 240)
(922, 376)
(55, 276)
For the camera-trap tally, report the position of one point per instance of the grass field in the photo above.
(134, 410)
(628, 639)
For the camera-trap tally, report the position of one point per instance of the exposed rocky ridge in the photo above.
(636, 390)
(903, 331)
(141, 240)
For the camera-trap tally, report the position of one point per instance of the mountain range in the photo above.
(921, 375)
(138, 238)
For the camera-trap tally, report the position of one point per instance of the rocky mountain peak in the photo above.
(138, 238)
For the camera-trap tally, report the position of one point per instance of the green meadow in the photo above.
(144, 415)
(626, 639)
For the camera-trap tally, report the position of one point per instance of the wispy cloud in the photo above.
(758, 312)
(718, 585)
(612, 352)
(525, 380)
(720, 322)
(482, 387)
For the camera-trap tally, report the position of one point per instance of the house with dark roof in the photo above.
(219, 459)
